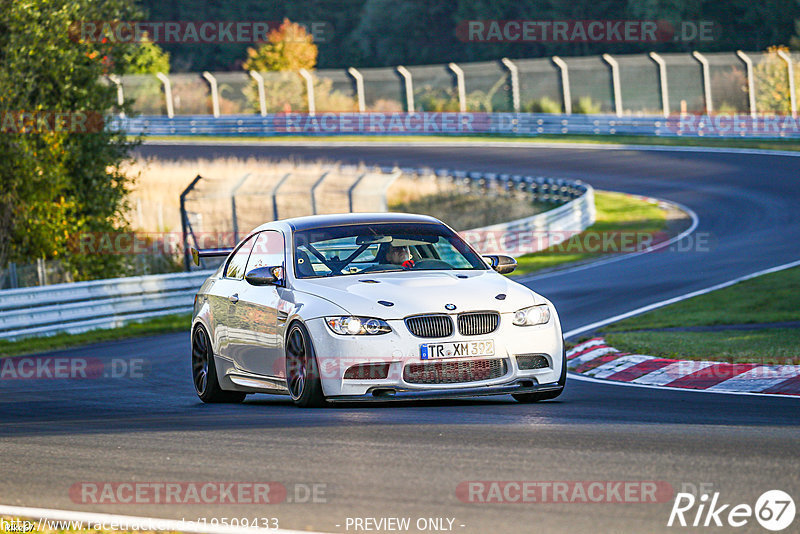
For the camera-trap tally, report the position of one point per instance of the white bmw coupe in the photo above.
(370, 307)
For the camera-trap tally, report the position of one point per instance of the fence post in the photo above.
(462, 91)
(214, 92)
(309, 90)
(790, 70)
(751, 85)
(41, 271)
(615, 84)
(359, 79)
(706, 80)
(514, 71)
(275, 195)
(167, 93)
(186, 227)
(12, 275)
(662, 78)
(384, 202)
(409, 85)
(262, 95)
(120, 95)
(352, 189)
(314, 190)
(565, 90)
(233, 207)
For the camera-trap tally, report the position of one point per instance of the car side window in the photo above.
(238, 262)
(268, 251)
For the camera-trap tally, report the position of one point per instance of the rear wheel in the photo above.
(547, 395)
(302, 374)
(204, 372)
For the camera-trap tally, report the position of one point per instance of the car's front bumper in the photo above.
(382, 394)
(336, 353)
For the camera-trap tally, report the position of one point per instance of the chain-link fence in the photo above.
(644, 84)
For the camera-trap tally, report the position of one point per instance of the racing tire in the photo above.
(204, 371)
(302, 372)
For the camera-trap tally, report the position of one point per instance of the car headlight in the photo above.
(533, 315)
(348, 325)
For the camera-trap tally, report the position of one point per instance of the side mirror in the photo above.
(263, 276)
(501, 264)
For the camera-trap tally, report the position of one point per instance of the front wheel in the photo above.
(302, 373)
(204, 372)
(547, 395)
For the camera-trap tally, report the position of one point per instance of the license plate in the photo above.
(455, 349)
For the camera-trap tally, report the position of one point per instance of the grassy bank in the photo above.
(158, 325)
(762, 301)
(616, 212)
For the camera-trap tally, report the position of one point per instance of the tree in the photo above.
(288, 48)
(56, 184)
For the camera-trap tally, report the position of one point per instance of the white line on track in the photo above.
(658, 246)
(471, 143)
(129, 522)
(667, 302)
(573, 376)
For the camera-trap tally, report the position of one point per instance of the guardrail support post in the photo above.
(214, 92)
(352, 189)
(751, 86)
(167, 93)
(514, 72)
(662, 78)
(120, 95)
(615, 83)
(706, 80)
(262, 95)
(565, 90)
(309, 91)
(185, 226)
(314, 191)
(359, 79)
(275, 195)
(790, 70)
(409, 87)
(461, 88)
(235, 219)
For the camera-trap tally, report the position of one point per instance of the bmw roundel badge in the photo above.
(450, 307)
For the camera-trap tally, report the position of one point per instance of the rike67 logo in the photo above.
(774, 510)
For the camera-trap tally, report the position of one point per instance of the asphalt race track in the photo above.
(406, 460)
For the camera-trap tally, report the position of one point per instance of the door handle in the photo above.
(234, 298)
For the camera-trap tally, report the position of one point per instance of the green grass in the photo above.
(764, 144)
(767, 299)
(774, 346)
(158, 325)
(615, 212)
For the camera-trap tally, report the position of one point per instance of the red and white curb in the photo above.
(594, 358)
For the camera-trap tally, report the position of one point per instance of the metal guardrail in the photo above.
(78, 307)
(454, 123)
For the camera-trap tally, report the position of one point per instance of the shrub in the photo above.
(586, 106)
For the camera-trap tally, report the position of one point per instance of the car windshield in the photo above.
(373, 248)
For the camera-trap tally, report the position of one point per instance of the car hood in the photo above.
(422, 292)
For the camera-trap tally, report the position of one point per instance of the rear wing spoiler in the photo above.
(209, 253)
